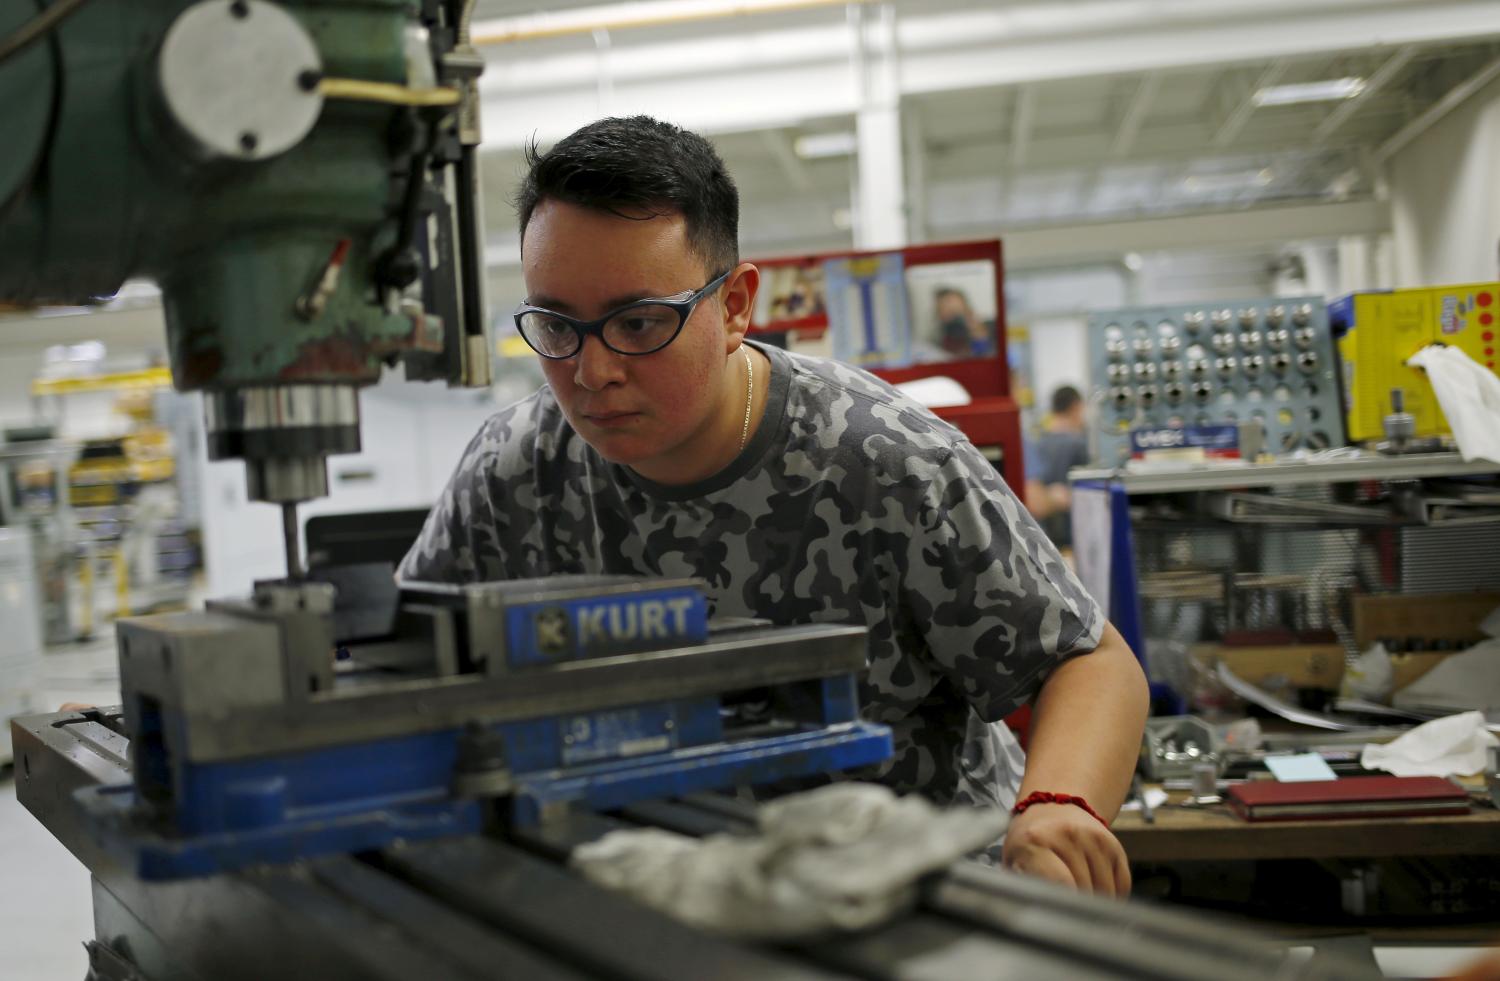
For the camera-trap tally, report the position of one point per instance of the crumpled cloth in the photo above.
(1470, 396)
(1455, 744)
(842, 857)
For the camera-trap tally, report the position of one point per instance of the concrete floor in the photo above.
(45, 910)
(45, 906)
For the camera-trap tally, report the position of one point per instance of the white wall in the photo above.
(1059, 356)
(1445, 197)
(131, 337)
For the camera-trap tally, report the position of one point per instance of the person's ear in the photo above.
(738, 297)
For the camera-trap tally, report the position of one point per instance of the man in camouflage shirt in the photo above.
(799, 489)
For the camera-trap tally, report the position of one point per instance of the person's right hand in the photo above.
(1486, 968)
(74, 706)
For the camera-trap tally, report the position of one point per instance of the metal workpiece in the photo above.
(256, 96)
(204, 663)
(367, 709)
(303, 612)
(60, 753)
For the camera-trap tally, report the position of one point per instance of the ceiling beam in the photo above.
(1023, 114)
(1240, 115)
(1135, 114)
(1378, 79)
(1044, 158)
(627, 16)
(1455, 97)
(1091, 241)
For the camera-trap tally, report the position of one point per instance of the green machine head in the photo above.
(299, 177)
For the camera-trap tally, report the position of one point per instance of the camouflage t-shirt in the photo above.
(851, 504)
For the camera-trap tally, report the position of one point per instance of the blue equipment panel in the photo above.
(1270, 360)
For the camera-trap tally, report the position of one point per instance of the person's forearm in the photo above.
(1038, 501)
(1086, 726)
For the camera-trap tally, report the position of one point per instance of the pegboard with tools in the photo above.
(1270, 360)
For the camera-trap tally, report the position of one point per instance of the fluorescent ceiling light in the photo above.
(1329, 90)
(623, 16)
(815, 146)
(1239, 180)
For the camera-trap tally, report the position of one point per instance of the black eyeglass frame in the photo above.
(582, 330)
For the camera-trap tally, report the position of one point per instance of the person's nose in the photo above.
(597, 366)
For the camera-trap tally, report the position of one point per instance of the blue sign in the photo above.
(1211, 439)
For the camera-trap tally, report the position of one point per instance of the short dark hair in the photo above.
(1064, 398)
(637, 163)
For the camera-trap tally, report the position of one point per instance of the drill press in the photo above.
(300, 179)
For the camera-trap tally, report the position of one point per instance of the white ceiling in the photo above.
(1173, 135)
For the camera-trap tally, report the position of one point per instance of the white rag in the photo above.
(1470, 396)
(1455, 744)
(842, 857)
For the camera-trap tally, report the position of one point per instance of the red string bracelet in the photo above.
(1044, 797)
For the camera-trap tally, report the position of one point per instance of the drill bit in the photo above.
(289, 530)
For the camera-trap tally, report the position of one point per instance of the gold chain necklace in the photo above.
(749, 394)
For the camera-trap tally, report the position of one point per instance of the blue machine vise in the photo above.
(496, 703)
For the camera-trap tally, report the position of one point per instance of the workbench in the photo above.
(1212, 833)
(1405, 878)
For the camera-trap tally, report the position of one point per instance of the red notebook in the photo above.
(1351, 797)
